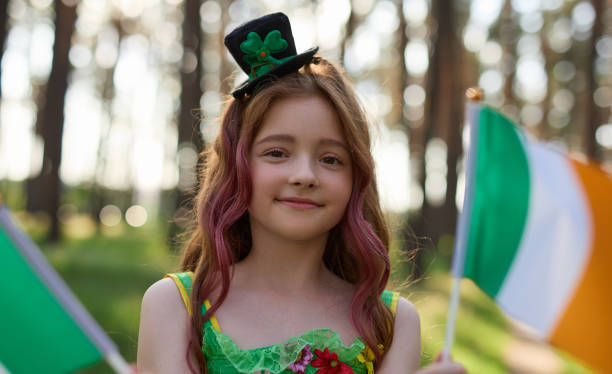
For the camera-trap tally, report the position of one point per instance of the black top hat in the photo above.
(264, 49)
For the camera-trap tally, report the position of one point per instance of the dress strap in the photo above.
(390, 298)
(183, 282)
(213, 320)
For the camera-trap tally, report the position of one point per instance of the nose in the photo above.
(303, 174)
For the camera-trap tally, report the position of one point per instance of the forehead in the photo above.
(310, 117)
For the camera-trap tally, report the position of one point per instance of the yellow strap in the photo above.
(213, 319)
(393, 305)
(187, 302)
(182, 290)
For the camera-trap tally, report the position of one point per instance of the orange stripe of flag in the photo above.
(585, 329)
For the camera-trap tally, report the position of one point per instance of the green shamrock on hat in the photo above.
(258, 53)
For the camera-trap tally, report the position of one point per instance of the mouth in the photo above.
(299, 203)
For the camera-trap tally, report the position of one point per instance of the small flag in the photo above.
(538, 236)
(43, 327)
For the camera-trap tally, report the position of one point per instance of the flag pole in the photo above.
(474, 95)
(118, 363)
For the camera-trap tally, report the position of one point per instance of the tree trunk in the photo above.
(3, 32)
(508, 36)
(544, 130)
(443, 118)
(225, 73)
(351, 23)
(415, 131)
(44, 190)
(97, 195)
(450, 122)
(189, 133)
(592, 117)
(418, 144)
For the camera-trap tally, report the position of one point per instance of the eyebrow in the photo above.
(291, 139)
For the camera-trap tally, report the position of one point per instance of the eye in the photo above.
(331, 160)
(275, 153)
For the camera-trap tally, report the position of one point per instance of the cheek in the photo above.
(342, 187)
(265, 178)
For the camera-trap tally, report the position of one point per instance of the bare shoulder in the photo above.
(164, 330)
(163, 289)
(405, 353)
(163, 300)
(407, 319)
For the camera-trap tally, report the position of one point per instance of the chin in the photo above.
(302, 233)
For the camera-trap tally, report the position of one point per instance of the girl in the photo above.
(286, 267)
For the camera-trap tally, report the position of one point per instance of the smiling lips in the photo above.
(298, 203)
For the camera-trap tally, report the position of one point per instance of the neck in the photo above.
(283, 265)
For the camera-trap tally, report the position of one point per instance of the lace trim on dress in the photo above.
(220, 348)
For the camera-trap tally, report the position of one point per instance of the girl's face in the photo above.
(301, 170)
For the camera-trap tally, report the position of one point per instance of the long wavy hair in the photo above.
(357, 247)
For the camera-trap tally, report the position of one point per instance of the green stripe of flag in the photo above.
(500, 201)
(43, 328)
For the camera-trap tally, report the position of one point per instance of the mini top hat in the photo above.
(264, 49)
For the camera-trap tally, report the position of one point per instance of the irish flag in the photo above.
(537, 232)
(43, 327)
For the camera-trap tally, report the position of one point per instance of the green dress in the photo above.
(318, 351)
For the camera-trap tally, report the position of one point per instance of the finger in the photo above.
(440, 357)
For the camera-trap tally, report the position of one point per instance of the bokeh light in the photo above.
(110, 215)
(136, 216)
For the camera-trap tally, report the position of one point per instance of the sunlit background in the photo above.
(547, 64)
(126, 59)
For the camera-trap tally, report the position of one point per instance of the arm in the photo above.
(164, 331)
(404, 355)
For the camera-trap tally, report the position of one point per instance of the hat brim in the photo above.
(291, 66)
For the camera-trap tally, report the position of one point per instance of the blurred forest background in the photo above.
(106, 105)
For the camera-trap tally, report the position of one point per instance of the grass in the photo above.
(109, 271)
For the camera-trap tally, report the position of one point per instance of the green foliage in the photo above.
(13, 194)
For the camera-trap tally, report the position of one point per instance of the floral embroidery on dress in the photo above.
(329, 363)
(299, 366)
(367, 357)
